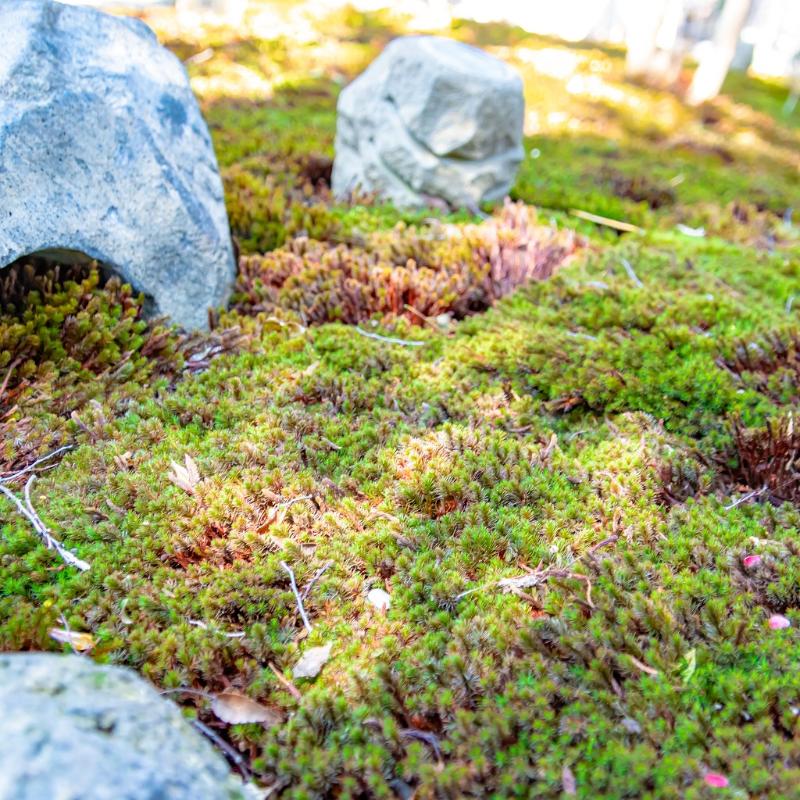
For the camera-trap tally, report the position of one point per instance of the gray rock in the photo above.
(103, 151)
(430, 118)
(75, 730)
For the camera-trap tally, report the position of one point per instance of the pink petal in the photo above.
(778, 621)
(751, 561)
(716, 780)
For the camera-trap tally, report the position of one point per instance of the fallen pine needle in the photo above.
(617, 225)
(285, 682)
(389, 339)
(643, 667)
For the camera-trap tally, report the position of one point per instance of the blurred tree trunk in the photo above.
(714, 66)
(653, 42)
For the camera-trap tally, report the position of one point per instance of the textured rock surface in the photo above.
(430, 117)
(74, 730)
(103, 151)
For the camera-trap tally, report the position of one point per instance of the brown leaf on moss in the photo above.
(82, 642)
(185, 477)
(236, 708)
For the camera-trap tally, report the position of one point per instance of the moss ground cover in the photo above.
(580, 496)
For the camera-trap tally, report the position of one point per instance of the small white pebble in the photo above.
(378, 598)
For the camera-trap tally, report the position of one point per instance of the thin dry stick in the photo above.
(297, 597)
(631, 274)
(13, 475)
(745, 497)
(420, 315)
(290, 503)
(530, 579)
(69, 634)
(285, 682)
(8, 375)
(625, 227)
(225, 747)
(27, 511)
(317, 575)
(389, 339)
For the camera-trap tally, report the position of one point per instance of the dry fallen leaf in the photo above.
(185, 477)
(380, 599)
(236, 708)
(568, 782)
(312, 662)
(82, 642)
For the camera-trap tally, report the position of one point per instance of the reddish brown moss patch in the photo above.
(405, 272)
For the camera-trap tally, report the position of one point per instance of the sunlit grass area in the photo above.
(579, 495)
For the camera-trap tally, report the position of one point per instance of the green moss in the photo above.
(579, 434)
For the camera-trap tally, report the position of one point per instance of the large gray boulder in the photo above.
(74, 730)
(103, 152)
(430, 118)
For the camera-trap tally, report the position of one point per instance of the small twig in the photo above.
(631, 274)
(184, 690)
(625, 227)
(290, 503)
(642, 666)
(744, 498)
(431, 739)
(10, 369)
(789, 304)
(604, 543)
(389, 339)
(534, 578)
(225, 747)
(285, 682)
(297, 597)
(64, 622)
(27, 511)
(317, 575)
(201, 57)
(13, 475)
(331, 444)
(420, 315)
(198, 623)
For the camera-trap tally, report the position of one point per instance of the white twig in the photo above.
(69, 635)
(317, 575)
(11, 476)
(297, 597)
(27, 510)
(526, 581)
(389, 339)
(789, 304)
(229, 751)
(631, 274)
(201, 57)
(298, 499)
(745, 497)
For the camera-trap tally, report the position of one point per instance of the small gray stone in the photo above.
(430, 118)
(75, 730)
(104, 152)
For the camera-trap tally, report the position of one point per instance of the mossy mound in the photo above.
(579, 495)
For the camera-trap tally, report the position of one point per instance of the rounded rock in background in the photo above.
(104, 153)
(430, 118)
(75, 730)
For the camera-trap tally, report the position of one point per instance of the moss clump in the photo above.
(553, 492)
(405, 272)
